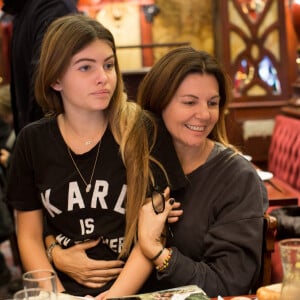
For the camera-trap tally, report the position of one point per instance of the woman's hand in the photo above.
(89, 272)
(175, 213)
(151, 224)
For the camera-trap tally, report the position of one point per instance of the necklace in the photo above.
(82, 140)
(89, 184)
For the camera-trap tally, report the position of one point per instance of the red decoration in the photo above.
(295, 11)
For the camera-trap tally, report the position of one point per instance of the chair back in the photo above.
(284, 151)
(270, 226)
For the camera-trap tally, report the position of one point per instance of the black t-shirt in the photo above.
(43, 176)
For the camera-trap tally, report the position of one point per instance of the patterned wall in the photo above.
(178, 21)
(183, 21)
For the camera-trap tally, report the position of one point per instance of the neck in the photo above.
(193, 157)
(81, 136)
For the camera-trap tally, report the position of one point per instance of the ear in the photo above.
(56, 86)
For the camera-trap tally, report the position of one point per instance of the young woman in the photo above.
(77, 171)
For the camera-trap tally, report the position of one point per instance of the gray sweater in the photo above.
(217, 243)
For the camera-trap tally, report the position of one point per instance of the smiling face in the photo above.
(193, 111)
(90, 79)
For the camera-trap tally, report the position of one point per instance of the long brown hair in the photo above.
(129, 124)
(162, 81)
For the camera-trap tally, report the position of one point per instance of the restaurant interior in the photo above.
(258, 44)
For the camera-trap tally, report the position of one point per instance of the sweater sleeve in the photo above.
(223, 270)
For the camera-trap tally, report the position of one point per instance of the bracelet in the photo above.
(165, 264)
(158, 254)
(50, 249)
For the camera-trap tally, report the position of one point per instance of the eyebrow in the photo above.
(188, 95)
(217, 96)
(92, 60)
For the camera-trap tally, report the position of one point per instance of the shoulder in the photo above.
(235, 158)
(239, 169)
(37, 129)
(39, 124)
(232, 166)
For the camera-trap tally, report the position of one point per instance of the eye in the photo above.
(189, 101)
(214, 101)
(84, 68)
(109, 66)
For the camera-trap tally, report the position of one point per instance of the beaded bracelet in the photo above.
(165, 264)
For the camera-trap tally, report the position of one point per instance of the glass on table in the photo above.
(290, 259)
(32, 294)
(43, 279)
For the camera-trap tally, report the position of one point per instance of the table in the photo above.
(250, 297)
(280, 193)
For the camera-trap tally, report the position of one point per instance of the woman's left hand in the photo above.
(151, 223)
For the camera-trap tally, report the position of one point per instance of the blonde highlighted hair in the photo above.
(129, 124)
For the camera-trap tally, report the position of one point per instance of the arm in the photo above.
(75, 263)
(139, 266)
(30, 240)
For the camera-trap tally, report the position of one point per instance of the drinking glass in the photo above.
(43, 279)
(32, 294)
(290, 259)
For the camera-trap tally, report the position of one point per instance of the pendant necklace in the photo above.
(87, 184)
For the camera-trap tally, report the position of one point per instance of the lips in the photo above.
(195, 128)
(101, 92)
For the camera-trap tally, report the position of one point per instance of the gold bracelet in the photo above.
(165, 263)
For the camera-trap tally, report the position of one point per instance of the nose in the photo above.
(202, 112)
(101, 76)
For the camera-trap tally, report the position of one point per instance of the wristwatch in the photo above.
(50, 249)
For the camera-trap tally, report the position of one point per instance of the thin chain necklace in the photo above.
(88, 142)
(89, 184)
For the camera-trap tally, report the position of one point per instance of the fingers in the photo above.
(175, 212)
(167, 192)
(96, 282)
(173, 220)
(95, 278)
(170, 204)
(88, 244)
(102, 268)
(111, 265)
